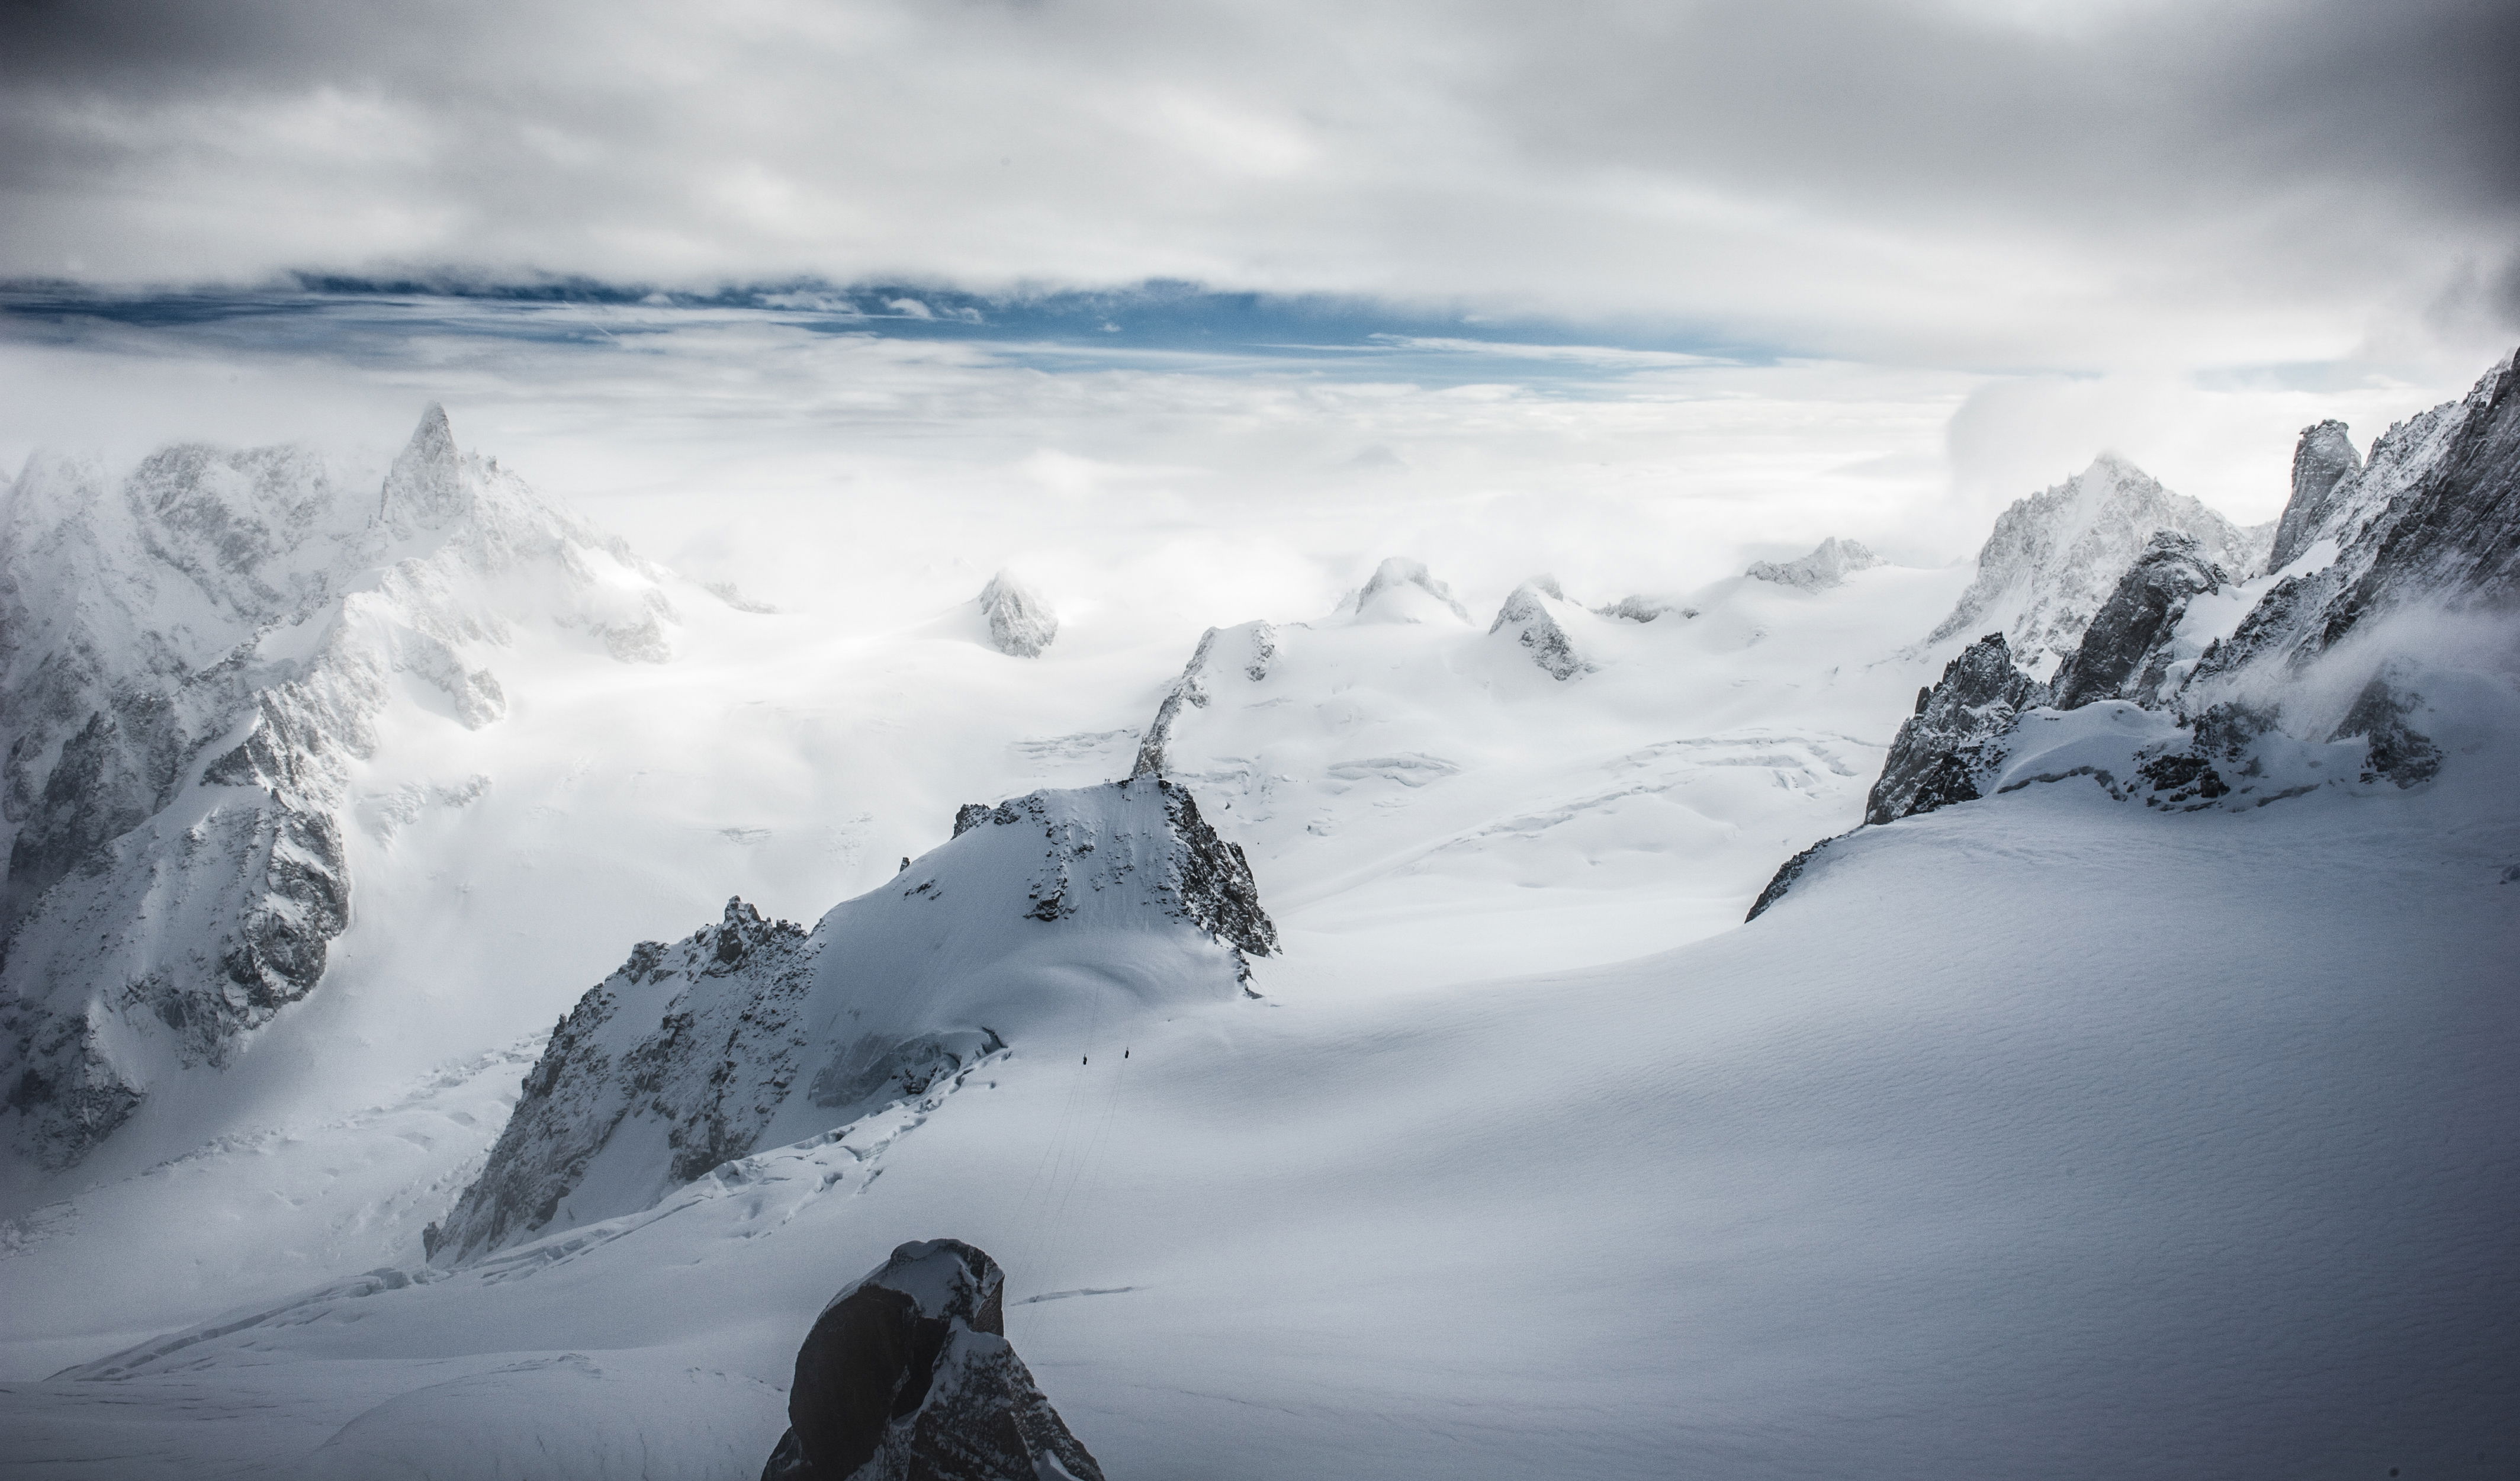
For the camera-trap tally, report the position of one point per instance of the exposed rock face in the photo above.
(907, 1376)
(188, 665)
(1240, 654)
(2056, 558)
(2323, 459)
(2432, 519)
(1021, 623)
(753, 1033)
(1527, 616)
(2123, 653)
(1945, 751)
(2398, 751)
(1826, 566)
(1402, 591)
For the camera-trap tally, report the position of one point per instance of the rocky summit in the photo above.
(907, 1376)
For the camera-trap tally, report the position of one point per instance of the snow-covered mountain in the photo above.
(2056, 556)
(1829, 565)
(1052, 908)
(190, 662)
(2190, 692)
(2123, 1090)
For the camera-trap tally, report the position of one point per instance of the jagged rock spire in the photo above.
(2323, 462)
(425, 488)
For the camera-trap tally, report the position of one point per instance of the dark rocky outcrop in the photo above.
(1787, 875)
(2398, 751)
(2123, 652)
(907, 1376)
(2324, 461)
(1945, 751)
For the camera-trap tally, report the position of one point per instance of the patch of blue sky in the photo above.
(1151, 325)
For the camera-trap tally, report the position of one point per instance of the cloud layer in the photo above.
(2112, 183)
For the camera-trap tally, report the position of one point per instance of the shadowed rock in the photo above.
(2123, 653)
(908, 1377)
(1955, 740)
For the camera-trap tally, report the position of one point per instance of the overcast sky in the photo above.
(2024, 182)
(2029, 228)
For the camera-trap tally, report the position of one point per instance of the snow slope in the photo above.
(2050, 1133)
(2205, 1172)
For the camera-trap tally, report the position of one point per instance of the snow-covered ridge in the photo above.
(189, 663)
(2329, 677)
(2055, 557)
(1042, 915)
(1829, 565)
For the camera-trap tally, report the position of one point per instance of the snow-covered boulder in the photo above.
(2056, 558)
(907, 1376)
(1040, 915)
(1827, 565)
(1021, 623)
(1529, 616)
(189, 663)
(1402, 590)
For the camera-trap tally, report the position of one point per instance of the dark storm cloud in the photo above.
(1973, 172)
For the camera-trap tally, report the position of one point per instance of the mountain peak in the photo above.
(1021, 623)
(1402, 590)
(425, 488)
(2056, 556)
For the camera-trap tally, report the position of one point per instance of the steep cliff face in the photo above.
(189, 663)
(2314, 689)
(2127, 652)
(1947, 749)
(752, 1033)
(2056, 558)
(2432, 521)
(2323, 464)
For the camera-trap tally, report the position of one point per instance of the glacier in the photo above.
(1348, 1042)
